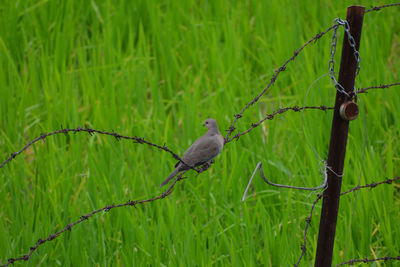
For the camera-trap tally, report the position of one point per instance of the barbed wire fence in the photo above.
(228, 138)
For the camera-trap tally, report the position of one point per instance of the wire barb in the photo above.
(377, 8)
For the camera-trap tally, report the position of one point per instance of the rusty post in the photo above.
(337, 146)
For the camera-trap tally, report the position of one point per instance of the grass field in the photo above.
(158, 69)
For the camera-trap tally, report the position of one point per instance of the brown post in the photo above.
(337, 146)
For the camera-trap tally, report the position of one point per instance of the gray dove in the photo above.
(201, 151)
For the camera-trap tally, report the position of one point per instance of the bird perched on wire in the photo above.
(201, 151)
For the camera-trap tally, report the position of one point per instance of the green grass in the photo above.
(157, 69)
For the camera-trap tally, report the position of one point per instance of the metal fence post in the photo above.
(338, 141)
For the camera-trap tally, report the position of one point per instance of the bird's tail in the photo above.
(172, 175)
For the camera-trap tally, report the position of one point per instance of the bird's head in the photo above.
(210, 124)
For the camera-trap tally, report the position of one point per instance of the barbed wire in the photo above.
(337, 23)
(366, 260)
(166, 193)
(85, 217)
(136, 139)
(377, 8)
(273, 79)
(308, 222)
(382, 86)
(139, 140)
(319, 196)
(371, 185)
(272, 115)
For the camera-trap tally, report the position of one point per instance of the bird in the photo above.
(201, 151)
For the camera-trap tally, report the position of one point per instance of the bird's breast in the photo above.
(220, 142)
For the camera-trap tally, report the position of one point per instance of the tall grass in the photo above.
(157, 69)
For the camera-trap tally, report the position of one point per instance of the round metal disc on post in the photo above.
(349, 110)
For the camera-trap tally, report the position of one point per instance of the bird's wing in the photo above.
(204, 149)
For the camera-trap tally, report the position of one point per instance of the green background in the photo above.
(158, 69)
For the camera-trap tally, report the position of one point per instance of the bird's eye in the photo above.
(206, 122)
